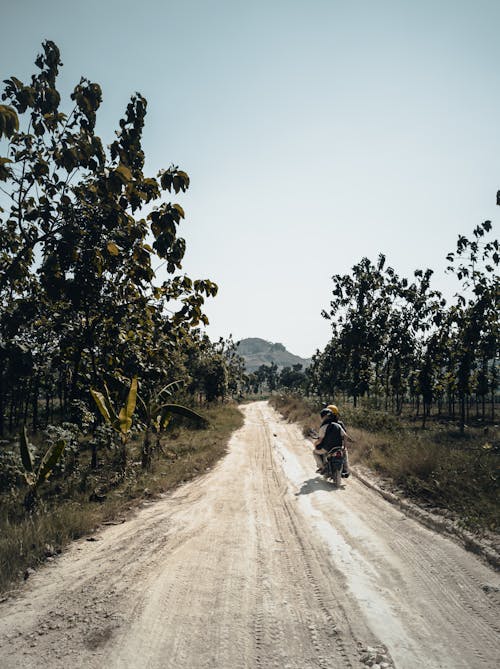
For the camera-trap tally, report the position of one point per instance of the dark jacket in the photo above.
(333, 435)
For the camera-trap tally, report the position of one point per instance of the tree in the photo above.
(76, 258)
(475, 263)
(399, 338)
(292, 378)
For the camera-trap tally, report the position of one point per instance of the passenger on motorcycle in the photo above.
(330, 435)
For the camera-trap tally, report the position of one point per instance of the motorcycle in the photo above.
(334, 462)
(334, 465)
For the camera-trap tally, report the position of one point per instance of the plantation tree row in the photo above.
(80, 304)
(396, 341)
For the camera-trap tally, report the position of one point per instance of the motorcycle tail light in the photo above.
(338, 454)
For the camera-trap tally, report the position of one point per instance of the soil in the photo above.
(259, 563)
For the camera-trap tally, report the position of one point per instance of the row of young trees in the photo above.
(270, 378)
(396, 340)
(80, 300)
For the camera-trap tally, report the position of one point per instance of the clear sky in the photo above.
(315, 132)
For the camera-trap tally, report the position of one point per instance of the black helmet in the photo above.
(325, 412)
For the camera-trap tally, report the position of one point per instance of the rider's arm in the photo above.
(321, 435)
(346, 437)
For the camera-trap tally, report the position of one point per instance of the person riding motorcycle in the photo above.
(330, 435)
(334, 409)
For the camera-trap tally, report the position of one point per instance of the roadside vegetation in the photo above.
(78, 498)
(416, 377)
(109, 389)
(437, 467)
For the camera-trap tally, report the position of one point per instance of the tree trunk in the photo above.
(11, 410)
(27, 402)
(76, 373)
(93, 460)
(146, 450)
(424, 415)
(1, 406)
(462, 414)
(34, 404)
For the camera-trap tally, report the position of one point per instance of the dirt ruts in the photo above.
(259, 563)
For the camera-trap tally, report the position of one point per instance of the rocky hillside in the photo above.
(257, 352)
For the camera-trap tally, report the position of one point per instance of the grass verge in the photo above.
(95, 498)
(436, 467)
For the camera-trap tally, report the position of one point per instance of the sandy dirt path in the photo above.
(260, 563)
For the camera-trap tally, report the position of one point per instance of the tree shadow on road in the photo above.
(318, 483)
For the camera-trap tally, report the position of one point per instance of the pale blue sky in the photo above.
(315, 132)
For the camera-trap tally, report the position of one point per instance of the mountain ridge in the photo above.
(256, 352)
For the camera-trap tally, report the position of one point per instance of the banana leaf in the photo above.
(170, 385)
(102, 405)
(24, 447)
(50, 459)
(126, 413)
(109, 404)
(180, 410)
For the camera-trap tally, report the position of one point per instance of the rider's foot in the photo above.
(346, 474)
(320, 470)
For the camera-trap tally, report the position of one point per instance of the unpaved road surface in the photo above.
(259, 563)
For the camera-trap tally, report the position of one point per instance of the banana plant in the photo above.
(157, 416)
(35, 477)
(120, 421)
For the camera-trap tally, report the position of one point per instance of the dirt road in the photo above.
(258, 564)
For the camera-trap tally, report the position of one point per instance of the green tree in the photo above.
(475, 315)
(76, 257)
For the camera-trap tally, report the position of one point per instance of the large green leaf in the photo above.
(5, 171)
(49, 461)
(25, 450)
(125, 416)
(167, 389)
(9, 121)
(180, 411)
(113, 249)
(100, 400)
(124, 173)
(109, 404)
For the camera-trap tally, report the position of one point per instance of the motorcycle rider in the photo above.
(334, 409)
(330, 434)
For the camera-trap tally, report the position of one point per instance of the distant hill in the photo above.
(257, 352)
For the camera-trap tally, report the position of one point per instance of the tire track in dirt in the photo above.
(257, 564)
(333, 642)
(421, 593)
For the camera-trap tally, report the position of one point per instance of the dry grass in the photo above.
(437, 467)
(25, 541)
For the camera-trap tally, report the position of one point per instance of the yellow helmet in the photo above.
(333, 409)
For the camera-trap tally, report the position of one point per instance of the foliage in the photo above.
(84, 231)
(79, 298)
(36, 475)
(26, 540)
(216, 369)
(438, 468)
(396, 341)
(157, 415)
(120, 421)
